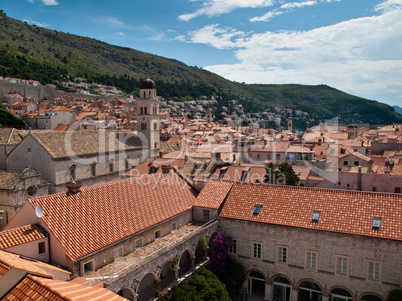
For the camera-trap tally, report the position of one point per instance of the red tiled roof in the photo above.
(29, 265)
(213, 194)
(103, 214)
(18, 236)
(36, 288)
(349, 212)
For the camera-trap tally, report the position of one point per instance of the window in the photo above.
(256, 250)
(315, 217)
(206, 216)
(155, 126)
(31, 190)
(72, 174)
(138, 244)
(93, 170)
(141, 111)
(342, 265)
(257, 210)
(376, 223)
(233, 247)
(278, 156)
(282, 254)
(374, 188)
(88, 267)
(111, 167)
(157, 234)
(126, 166)
(174, 227)
(311, 260)
(397, 189)
(118, 253)
(41, 247)
(374, 270)
(356, 163)
(29, 149)
(345, 162)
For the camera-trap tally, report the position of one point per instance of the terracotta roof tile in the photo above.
(36, 288)
(349, 212)
(29, 265)
(18, 236)
(85, 142)
(213, 194)
(103, 214)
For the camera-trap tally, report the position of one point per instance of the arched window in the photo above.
(142, 111)
(145, 111)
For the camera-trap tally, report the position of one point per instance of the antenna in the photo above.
(38, 211)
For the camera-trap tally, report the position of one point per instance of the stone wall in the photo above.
(359, 250)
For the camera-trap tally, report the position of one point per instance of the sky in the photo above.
(351, 45)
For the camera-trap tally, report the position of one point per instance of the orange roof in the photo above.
(29, 265)
(18, 236)
(213, 194)
(348, 212)
(125, 206)
(36, 288)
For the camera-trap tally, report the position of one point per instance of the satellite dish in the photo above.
(38, 211)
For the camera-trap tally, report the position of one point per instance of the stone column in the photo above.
(176, 272)
(268, 292)
(192, 261)
(295, 293)
(325, 298)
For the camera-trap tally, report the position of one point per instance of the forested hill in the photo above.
(31, 52)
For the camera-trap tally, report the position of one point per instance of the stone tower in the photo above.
(148, 117)
(209, 116)
(353, 131)
(290, 124)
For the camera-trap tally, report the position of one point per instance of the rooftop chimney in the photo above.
(166, 168)
(73, 187)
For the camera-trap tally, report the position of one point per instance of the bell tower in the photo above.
(148, 117)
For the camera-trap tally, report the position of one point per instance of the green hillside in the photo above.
(31, 52)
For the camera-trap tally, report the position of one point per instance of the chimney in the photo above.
(73, 187)
(359, 179)
(166, 168)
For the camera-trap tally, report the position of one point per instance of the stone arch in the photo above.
(340, 287)
(210, 239)
(127, 293)
(199, 251)
(281, 287)
(256, 283)
(271, 280)
(297, 285)
(185, 262)
(147, 287)
(166, 274)
(309, 289)
(370, 296)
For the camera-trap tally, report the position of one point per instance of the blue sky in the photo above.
(352, 45)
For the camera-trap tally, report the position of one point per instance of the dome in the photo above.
(148, 84)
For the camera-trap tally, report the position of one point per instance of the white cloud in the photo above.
(50, 2)
(287, 7)
(36, 23)
(389, 5)
(268, 16)
(220, 38)
(219, 7)
(361, 56)
(291, 5)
